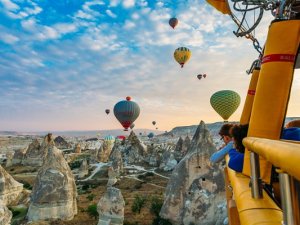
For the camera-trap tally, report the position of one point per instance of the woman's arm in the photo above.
(219, 155)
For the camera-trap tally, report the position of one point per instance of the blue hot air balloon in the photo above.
(151, 135)
(126, 112)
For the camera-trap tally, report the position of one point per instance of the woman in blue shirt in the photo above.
(228, 144)
(236, 154)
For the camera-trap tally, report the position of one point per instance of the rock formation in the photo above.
(54, 192)
(104, 151)
(9, 159)
(171, 163)
(34, 154)
(5, 214)
(112, 176)
(195, 188)
(111, 207)
(10, 189)
(116, 159)
(19, 156)
(77, 148)
(134, 151)
(61, 143)
(181, 148)
(91, 144)
(83, 169)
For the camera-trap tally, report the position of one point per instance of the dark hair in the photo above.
(239, 132)
(225, 129)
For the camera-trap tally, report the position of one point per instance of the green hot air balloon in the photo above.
(126, 112)
(225, 103)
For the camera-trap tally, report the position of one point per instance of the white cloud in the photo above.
(114, 3)
(9, 5)
(47, 33)
(83, 15)
(9, 39)
(129, 25)
(135, 16)
(159, 4)
(111, 14)
(29, 24)
(64, 28)
(142, 3)
(128, 3)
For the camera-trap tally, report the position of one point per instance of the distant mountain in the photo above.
(87, 133)
(176, 131)
(9, 133)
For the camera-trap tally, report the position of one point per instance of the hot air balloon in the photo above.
(151, 135)
(173, 22)
(156, 128)
(132, 126)
(225, 103)
(107, 111)
(121, 137)
(199, 76)
(182, 55)
(126, 112)
(204, 75)
(109, 138)
(153, 122)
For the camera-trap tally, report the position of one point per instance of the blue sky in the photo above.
(64, 62)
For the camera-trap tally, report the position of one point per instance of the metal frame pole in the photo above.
(256, 182)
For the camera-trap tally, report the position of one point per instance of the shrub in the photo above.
(137, 186)
(156, 205)
(126, 222)
(138, 204)
(85, 187)
(161, 221)
(91, 197)
(26, 185)
(92, 211)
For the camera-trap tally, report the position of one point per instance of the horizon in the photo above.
(65, 62)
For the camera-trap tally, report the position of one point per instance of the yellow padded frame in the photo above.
(273, 88)
(253, 211)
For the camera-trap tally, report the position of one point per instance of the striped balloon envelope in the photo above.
(225, 103)
(109, 138)
(126, 112)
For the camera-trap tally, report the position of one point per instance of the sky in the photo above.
(62, 63)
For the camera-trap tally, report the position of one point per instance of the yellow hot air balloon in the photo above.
(225, 103)
(182, 55)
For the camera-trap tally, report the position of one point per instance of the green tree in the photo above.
(138, 204)
(92, 211)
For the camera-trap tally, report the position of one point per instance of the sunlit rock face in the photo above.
(104, 151)
(111, 207)
(54, 192)
(10, 189)
(112, 176)
(19, 156)
(77, 148)
(196, 189)
(171, 163)
(5, 214)
(83, 169)
(133, 150)
(9, 161)
(34, 154)
(116, 159)
(181, 148)
(61, 143)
